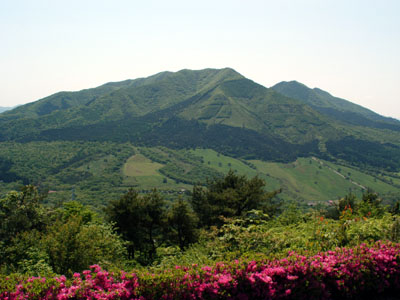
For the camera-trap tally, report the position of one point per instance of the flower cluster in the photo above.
(346, 273)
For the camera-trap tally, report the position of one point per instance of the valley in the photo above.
(95, 173)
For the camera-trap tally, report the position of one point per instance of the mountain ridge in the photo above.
(188, 108)
(335, 107)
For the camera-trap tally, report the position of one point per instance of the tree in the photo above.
(182, 224)
(371, 205)
(125, 213)
(73, 245)
(37, 239)
(74, 208)
(231, 196)
(19, 212)
(348, 201)
(140, 220)
(152, 222)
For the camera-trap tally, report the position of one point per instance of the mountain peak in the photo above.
(291, 83)
(292, 89)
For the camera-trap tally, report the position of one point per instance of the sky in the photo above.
(349, 48)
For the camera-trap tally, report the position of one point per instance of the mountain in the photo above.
(335, 108)
(96, 139)
(215, 108)
(134, 97)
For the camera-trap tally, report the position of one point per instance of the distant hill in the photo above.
(336, 108)
(171, 129)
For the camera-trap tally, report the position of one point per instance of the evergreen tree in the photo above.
(182, 223)
(140, 220)
(231, 196)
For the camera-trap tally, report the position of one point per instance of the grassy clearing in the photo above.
(223, 163)
(142, 173)
(139, 165)
(306, 180)
(364, 179)
(316, 181)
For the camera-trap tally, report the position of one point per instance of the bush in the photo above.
(346, 273)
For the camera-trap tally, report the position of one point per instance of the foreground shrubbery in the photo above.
(346, 273)
(333, 252)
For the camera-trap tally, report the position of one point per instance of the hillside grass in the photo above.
(223, 163)
(94, 173)
(139, 165)
(315, 181)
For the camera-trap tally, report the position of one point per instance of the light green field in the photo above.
(364, 179)
(315, 181)
(142, 173)
(307, 181)
(139, 165)
(223, 163)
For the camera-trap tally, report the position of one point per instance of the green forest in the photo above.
(230, 217)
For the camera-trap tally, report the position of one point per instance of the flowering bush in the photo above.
(346, 273)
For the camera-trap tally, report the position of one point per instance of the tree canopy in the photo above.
(231, 196)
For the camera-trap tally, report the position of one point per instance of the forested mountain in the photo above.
(218, 109)
(336, 108)
(163, 114)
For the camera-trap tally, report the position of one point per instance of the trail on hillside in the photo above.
(338, 173)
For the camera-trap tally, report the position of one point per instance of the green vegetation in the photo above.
(42, 239)
(212, 109)
(313, 181)
(181, 166)
(131, 175)
(334, 107)
(223, 163)
(231, 196)
(173, 130)
(138, 165)
(229, 218)
(95, 172)
(88, 171)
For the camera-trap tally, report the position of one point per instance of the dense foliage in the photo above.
(385, 156)
(241, 227)
(231, 196)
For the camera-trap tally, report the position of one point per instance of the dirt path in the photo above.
(338, 173)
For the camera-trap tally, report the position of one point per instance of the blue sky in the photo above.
(348, 48)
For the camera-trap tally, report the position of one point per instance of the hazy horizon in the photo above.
(347, 48)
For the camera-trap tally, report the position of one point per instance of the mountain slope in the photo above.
(245, 104)
(112, 101)
(336, 108)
